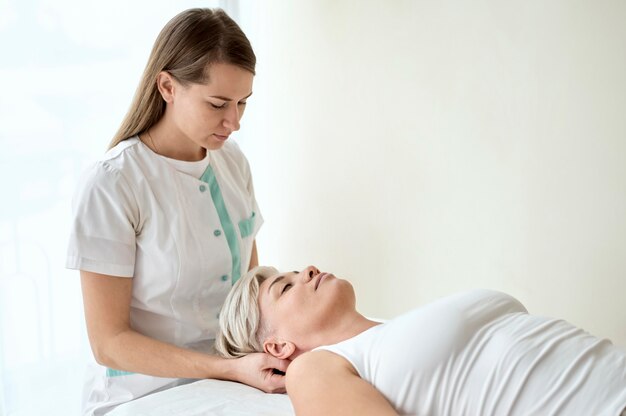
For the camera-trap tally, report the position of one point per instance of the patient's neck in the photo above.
(349, 326)
(352, 327)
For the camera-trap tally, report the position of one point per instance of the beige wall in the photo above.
(422, 147)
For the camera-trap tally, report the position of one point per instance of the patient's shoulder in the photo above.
(320, 358)
(316, 364)
(323, 383)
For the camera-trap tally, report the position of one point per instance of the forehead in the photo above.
(263, 297)
(269, 280)
(228, 79)
(264, 288)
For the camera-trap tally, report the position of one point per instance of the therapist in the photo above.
(165, 222)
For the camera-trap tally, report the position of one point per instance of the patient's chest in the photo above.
(480, 353)
(424, 360)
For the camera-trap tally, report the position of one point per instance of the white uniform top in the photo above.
(480, 353)
(183, 239)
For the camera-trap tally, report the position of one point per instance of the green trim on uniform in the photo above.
(246, 226)
(116, 373)
(227, 225)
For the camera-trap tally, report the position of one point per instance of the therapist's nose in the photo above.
(232, 117)
(307, 274)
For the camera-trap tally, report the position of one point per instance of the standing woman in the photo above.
(165, 222)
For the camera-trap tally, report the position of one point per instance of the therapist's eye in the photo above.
(218, 107)
(286, 288)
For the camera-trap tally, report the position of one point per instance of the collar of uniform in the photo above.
(195, 169)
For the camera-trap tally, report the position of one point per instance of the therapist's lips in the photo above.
(220, 137)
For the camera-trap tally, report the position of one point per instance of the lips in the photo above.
(319, 279)
(220, 137)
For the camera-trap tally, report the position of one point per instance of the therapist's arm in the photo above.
(323, 383)
(116, 345)
(254, 258)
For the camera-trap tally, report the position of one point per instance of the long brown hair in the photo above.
(186, 46)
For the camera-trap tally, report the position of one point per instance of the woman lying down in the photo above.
(474, 353)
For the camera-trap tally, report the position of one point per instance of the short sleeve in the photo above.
(104, 223)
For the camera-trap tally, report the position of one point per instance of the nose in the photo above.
(307, 274)
(232, 117)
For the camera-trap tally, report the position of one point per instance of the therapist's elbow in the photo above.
(103, 361)
(103, 356)
(106, 351)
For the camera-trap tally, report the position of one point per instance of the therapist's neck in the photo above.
(168, 140)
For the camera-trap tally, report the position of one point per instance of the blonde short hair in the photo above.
(240, 333)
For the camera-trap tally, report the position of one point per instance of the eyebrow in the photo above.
(278, 279)
(221, 97)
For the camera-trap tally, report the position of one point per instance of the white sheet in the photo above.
(208, 397)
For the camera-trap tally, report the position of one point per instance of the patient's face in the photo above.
(297, 305)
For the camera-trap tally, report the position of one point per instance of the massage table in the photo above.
(208, 397)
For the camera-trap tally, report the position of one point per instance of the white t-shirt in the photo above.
(183, 231)
(481, 353)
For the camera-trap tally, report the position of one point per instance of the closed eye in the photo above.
(218, 107)
(286, 288)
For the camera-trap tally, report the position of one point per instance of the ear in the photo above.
(165, 84)
(279, 348)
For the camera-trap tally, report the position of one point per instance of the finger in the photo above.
(277, 382)
(279, 364)
(273, 383)
(273, 374)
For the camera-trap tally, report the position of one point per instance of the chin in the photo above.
(344, 293)
(214, 145)
(346, 285)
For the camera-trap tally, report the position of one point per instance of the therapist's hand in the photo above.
(259, 370)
